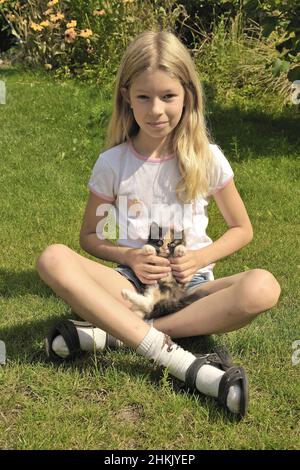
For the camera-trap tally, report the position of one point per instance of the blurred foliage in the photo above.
(245, 45)
(83, 37)
(279, 20)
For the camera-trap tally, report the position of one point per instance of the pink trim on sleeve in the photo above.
(103, 196)
(223, 185)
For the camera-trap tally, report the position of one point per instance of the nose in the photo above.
(156, 107)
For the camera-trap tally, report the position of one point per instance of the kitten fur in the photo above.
(168, 295)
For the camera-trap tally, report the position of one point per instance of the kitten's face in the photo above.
(165, 245)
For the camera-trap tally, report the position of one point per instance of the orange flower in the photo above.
(86, 33)
(98, 12)
(57, 17)
(72, 24)
(70, 35)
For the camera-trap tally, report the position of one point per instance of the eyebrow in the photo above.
(166, 91)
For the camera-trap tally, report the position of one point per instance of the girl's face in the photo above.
(157, 102)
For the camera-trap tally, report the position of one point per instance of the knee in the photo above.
(50, 259)
(259, 291)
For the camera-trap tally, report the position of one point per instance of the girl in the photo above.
(160, 166)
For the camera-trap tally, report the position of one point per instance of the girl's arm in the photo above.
(89, 240)
(239, 234)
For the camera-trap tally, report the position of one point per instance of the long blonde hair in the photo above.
(189, 140)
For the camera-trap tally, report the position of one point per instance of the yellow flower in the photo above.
(2, 1)
(44, 23)
(98, 12)
(57, 17)
(60, 16)
(36, 27)
(52, 3)
(70, 35)
(48, 66)
(86, 33)
(72, 24)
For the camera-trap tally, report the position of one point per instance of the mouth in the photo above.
(158, 124)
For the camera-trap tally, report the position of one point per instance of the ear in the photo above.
(154, 231)
(125, 93)
(179, 235)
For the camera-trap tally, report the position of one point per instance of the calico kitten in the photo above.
(168, 295)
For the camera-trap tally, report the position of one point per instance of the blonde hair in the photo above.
(189, 140)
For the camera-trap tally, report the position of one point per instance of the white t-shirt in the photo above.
(140, 190)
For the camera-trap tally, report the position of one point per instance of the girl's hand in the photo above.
(148, 268)
(184, 267)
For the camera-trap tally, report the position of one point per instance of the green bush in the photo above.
(279, 21)
(236, 60)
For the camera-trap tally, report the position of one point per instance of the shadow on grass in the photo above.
(16, 284)
(252, 134)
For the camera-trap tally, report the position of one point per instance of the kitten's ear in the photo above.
(154, 231)
(179, 235)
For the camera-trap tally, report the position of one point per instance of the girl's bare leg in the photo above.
(93, 291)
(233, 302)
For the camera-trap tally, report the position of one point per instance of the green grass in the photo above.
(50, 136)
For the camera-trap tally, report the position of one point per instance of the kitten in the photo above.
(168, 295)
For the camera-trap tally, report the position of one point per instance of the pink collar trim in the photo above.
(149, 159)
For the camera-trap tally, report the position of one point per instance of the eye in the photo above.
(160, 242)
(168, 97)
(142, 97)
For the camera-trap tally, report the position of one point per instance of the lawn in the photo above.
(50, 136)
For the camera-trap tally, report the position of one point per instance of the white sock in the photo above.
(161, 349)
(90, 339)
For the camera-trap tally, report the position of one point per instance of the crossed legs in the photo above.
(94, 293)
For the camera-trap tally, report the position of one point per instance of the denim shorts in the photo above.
(198, 278)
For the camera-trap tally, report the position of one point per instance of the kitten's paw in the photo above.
(180, 250)
(139, 313)
(126, 294)
(149, 250)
